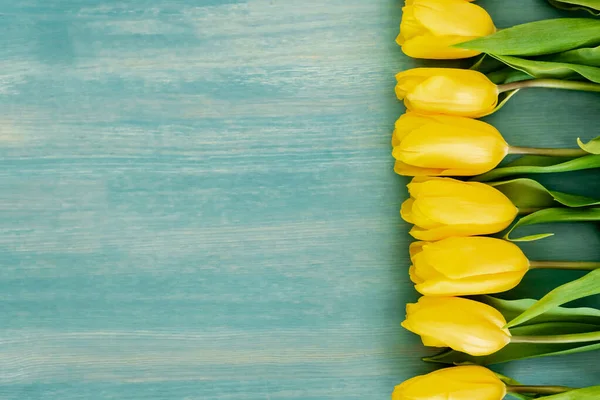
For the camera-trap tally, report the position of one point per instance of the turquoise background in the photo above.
(197, 200)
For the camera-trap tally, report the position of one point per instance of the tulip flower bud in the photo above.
(461, 324)
(445, 207)
(462, 92)
(468, 382)
(429, 28)
(437, 145)
(462, 266)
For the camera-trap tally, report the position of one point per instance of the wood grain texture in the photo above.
(197, 200)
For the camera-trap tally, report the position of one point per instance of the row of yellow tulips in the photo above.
(439, 137)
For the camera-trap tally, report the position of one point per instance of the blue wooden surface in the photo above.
(197, 200)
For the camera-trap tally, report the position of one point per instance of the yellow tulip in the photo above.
(463, 92)
(437, 145)
(429, 28)
(445, 207)
(468, 382)
(461, 266)
(461, 324)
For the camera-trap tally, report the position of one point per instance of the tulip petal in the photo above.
(466, 257)
(452, 18)
(464, 325)
(466, 382)
(435, 47)
(423, 270)
(443, 146)
(451, 202)
(432, 342)
(413, 276)
(443, 232)
(408, 170)
(415, 248)
(406, 211)
(446, 95)
(483, 284)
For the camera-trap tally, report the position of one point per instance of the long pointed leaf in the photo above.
(586, 56)
(511, 352)
(539, 37)
(589, 393)
(588, 285)
(591, 6)
(553, 215)
(551, 69)
(528, 193)
(511, 309)
(576, 164)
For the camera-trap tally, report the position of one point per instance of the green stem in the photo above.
(547, 152)
(577, 265)
(537, 389)
(550, 83)
(568, 338)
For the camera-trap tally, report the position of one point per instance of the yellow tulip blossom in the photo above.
(461, 266)
(437, 145)
(445, 207)
(468, 382)
(429, 28)
(452, 91)
(461, 324)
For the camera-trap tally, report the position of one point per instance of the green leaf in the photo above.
(550, 69)
(528, 193)
(553, 215)
(589, 393)
(507, 75)
(507, 97)
(511, 352)
(591, 6)
(576, 164)
(585, 56)
(588, 285)
(511, 309)
(539, 37)
(592, 147)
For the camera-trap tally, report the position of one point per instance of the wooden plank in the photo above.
(197, 200)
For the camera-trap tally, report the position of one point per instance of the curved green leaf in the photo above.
(576, 164)
(539, 37)
(591, 6)
(589, 285)
(507, 75)
(511, 309)
(585, 56)
(528, 193)
(516, 351)
(550, 69)
(589, 393)
(592, 147)
(507, 97)
(553, 215)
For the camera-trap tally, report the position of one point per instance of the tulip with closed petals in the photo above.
(461, 266)
(445, 207)
(461, 324)
(468, 382)
(438, 145)
(429, 28)
(462, 92)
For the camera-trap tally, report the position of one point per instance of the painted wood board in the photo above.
(197, 200)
